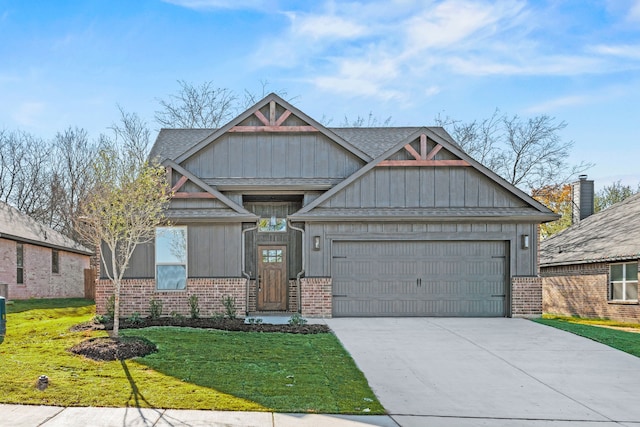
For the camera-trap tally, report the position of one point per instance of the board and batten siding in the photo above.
(290, 238)
(213, 250)
(521, 262)
(277, 155)
(414, 187)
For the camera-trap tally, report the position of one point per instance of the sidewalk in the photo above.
(53, 416)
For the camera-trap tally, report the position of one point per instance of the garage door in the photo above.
(418, 278)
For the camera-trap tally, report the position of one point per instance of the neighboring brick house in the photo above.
(591, 268)
(285, 215)
(37, 261)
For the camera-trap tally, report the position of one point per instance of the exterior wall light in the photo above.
(316, 243)
(525, 241)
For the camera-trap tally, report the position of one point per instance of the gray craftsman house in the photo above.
(286, 215)
(591, 268)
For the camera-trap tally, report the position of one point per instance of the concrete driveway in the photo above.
(491, 372)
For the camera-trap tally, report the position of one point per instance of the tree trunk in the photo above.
(116, 311)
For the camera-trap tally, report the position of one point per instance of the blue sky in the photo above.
(70, 63)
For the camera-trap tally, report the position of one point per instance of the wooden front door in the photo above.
(272, 277)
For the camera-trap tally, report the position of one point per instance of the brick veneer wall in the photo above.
(39, 281)
(582, 290)
(316, 296)
(136, 295)
(526, 296)
(292, 296)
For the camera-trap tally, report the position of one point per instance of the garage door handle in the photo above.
(340, 296)
(419, 282)
(496, 296)
(337, 256)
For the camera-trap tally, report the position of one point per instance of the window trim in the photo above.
(624, 282)
(19, 264)
(186, 259)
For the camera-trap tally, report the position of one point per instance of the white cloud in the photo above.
(367, 76)
(458, 21)
(432, 91)
(622, 50)
(555, 65)
(218, 4)
(634, 12)
(390, 49)
(558, 103)
(325, 27)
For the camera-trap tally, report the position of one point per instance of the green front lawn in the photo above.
(193, 369)
(598, 330)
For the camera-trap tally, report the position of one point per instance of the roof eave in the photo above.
(617, 258)
(81, 251)
(531, 219)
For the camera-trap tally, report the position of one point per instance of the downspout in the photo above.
(244, 273)
(299, 275)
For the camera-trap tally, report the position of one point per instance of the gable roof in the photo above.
(171, 143)
(252, 110)
(609, 235)
(440, 136)
(14, 225)
(234, 210)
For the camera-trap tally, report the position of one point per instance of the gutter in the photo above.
(244, 273)
(299, 275)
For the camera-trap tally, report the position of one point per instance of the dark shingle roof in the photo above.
(171, 143)
(609, 235)
(15, 225)
(374, 141)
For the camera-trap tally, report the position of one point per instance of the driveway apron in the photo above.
(497, 368)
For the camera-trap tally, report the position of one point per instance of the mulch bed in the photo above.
(208, 323)
(105, 349)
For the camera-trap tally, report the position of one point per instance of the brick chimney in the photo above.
(582, 198)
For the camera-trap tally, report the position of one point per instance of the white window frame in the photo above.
(624, 281)
(185, 262)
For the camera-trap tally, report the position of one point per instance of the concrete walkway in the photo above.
(492, 372)
(51, 416)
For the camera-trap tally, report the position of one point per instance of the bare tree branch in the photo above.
(203, 106)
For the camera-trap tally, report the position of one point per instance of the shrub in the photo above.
(194, 307)
(134, 318)
(155, 308)
(176, 315)
(297, 320)
(230, 309)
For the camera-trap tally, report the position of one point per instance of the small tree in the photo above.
(123, 211)
(558, 199)
(612, 194)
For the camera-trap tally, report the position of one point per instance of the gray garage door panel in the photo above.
(418, 278)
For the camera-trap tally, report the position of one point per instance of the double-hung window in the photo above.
(19, 263)
(55, 262)
(171, 258)
(623, 281)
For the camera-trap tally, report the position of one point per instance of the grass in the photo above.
(629, 342)
(193, 369)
